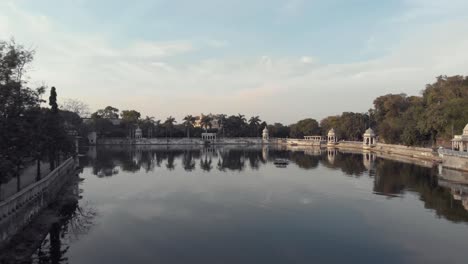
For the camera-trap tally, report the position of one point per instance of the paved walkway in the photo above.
(28, 176)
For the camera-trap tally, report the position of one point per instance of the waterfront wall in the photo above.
(349, 145)
(413, 152)
(454, 159)
(178, 141)
(296, 142)
(19, 209)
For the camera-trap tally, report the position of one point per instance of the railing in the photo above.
(453, 153)
(52, 182)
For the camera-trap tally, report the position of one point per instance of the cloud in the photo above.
(151, 49)
(176, 77)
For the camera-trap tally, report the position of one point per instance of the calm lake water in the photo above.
(233, 205)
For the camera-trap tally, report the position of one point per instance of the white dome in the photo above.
(465, 130)
(369, 132)
(331, 132)
(265, 130)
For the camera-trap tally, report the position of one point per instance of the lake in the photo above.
(233, 205)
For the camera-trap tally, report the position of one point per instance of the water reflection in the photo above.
(258, 209)
(391, 178)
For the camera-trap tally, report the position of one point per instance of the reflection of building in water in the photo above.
(209, 151)
(458, 191)
(137, 155)
(369, 161)
(92, 152)
(462, 196)
(460, 142)
(331, 154)
(313, 151)
(265, 150)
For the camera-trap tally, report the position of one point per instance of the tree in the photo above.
(53, 101)
(305, 127)
(108, 113)
(189, 120)
(278, 130)
(130, 116)
(222, 121)
(148, 125)
(169, 125)
(205, 122)
(17, 103)
(75, 106)
(254, 123)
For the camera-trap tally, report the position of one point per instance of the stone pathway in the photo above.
(28, 176)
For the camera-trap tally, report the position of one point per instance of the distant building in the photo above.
(215, 123)
(460, 142)
(138, 133)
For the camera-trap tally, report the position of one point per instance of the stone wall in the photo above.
(454, 159)
(296, 142)
(19, 209)
(414, 152)
(349, 145)
(178, 141)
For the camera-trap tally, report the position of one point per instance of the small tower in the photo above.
(92, 138)
(265, 135)
(138, 133)
(369, 138)
(331, 138)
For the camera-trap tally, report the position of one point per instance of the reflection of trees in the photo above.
(205, 163)
(74, 221)
(170, 165)
(255, 159)
(348, 163)
(187, 161)
(394, 178)
(232, 160)
(305, 161)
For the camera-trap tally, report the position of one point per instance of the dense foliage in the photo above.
(441, 111)
(28, 131)
(437, 114)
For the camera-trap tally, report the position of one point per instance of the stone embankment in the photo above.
(296, 142)
(454, 159)
(19, 209)
(178, 141)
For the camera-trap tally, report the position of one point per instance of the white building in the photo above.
(460, 142)
(215, 123)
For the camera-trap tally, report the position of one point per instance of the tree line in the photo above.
(32, 129)
(440, 111)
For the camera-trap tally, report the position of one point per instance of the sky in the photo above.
(284, 60)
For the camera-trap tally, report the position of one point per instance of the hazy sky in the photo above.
(281, 59)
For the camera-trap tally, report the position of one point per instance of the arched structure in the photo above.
(460, 142)
(265, 134)
(369, 138)
(208, 136)
(331, 137)
(138, 133)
